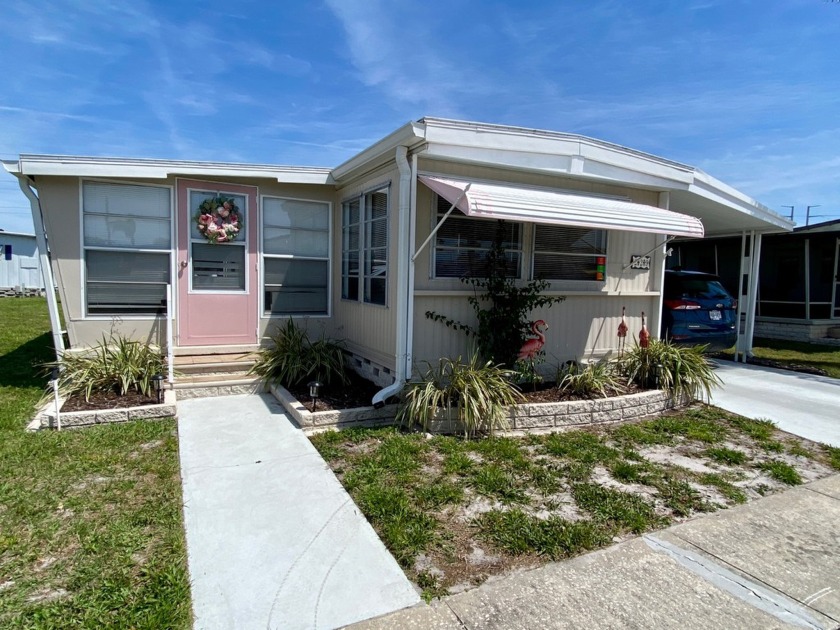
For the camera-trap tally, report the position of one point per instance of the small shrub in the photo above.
(114, 365)
(682, 371)
(294, 359)
(475, 394)
(595, 378)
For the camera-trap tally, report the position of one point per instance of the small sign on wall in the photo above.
(639, 262)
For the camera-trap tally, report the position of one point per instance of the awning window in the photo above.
(512, 203)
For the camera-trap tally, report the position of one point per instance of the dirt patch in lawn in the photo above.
(456, 512)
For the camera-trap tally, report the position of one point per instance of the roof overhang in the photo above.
(76, 166)
(722, 208)
(534, 205)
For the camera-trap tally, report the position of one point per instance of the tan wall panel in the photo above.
(580, 328)
(370, 328)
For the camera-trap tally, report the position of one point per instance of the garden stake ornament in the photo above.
(622, 333)
(644, 335)
(531, 347)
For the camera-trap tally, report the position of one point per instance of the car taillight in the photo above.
(682, 305)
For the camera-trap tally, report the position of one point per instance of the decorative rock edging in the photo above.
(45, 417)
(522, 417)
(339, 419)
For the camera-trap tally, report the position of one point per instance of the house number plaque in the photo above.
(639, 262)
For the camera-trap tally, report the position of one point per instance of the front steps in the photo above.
(215, 371)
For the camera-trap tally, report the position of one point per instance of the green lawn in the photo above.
(455, 512)
(799, 353)
(91, 528)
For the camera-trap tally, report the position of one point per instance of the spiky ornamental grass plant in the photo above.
(294, 359)
(116, 364)
(595, 378)
(475, 394)
(682, 371)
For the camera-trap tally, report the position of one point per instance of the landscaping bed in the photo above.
(107, 400)
(455, 512)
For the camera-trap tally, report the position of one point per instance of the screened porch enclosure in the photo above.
(798, 277)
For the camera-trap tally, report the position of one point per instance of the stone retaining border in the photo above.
(339, 419)
(45, 417)
(524, 417)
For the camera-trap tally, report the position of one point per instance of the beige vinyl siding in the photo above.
(581, 327)
(60, 199)
(369, 329)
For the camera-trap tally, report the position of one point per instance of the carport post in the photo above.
(755, 259)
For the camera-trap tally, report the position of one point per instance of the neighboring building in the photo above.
(344, 248)
(799, 279)
(20, 270)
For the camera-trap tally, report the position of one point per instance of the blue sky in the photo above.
(748, 91)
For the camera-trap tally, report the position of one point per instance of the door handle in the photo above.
(184, 264)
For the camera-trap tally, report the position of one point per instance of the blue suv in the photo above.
(697, 310)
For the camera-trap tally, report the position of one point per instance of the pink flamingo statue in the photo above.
(531, 347)
(622, 333)
(644, 335)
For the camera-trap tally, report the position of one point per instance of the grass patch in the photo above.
(799, 353)
(781, 471)
(726, 456)
(833, 456)
(519, 533)
(579, 446)
(495, 482)
(621, 510)
(547, 494)
(91, 529)
(727, 489)
(759, 430)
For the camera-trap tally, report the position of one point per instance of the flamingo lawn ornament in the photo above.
(531, 347)
(622, 334)
(644, 335)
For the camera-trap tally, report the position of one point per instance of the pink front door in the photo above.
(217, 281)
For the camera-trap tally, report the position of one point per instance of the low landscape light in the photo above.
(157, 382)
(315, 392)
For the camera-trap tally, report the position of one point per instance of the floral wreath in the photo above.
(219, 220)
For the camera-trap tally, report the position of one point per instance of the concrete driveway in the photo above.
(802, 404)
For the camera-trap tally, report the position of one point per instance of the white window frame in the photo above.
(83, 282)
(263, 256)
(526, 250)
(363, 245)
(570, 281)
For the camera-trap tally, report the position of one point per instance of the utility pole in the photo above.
(808, 213)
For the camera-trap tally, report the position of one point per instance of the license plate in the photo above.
(714, 316)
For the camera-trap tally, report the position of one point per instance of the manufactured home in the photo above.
(204, 257)
(20, 269)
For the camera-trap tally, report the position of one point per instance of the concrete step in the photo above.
(201, 369)
(216, 385)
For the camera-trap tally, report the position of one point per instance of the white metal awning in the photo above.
(513, 203)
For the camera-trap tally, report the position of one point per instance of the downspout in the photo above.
(404, 270)
(46, 269)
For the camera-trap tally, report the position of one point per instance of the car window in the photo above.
(701, 288)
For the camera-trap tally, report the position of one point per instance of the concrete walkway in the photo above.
(273, 539)
(802, 404)
(774, 563)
